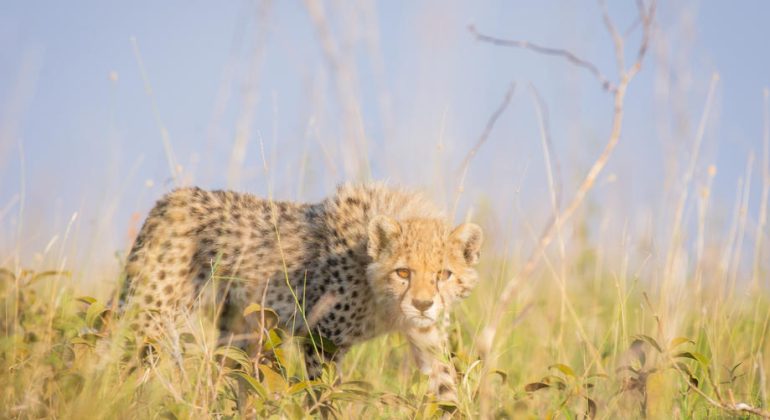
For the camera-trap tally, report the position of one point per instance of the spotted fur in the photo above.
(366, 261)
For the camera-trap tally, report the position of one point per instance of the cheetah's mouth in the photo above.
(421, 321)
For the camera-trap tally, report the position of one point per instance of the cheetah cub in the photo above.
(366, 261)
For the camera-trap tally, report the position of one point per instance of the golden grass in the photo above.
(603, 343)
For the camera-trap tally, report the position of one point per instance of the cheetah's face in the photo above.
(420, 266)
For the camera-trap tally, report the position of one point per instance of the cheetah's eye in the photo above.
(444, 275)
(404, 273)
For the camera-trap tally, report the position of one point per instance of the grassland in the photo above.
(584, 336)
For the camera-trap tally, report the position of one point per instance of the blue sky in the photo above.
(78, 129)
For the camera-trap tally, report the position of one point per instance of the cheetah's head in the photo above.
(420, 266)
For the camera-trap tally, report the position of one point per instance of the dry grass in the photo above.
(62, 356)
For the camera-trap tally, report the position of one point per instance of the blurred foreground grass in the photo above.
(600, 344)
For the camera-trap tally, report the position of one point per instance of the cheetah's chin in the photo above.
(421, 321)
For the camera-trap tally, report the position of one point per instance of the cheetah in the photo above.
(369, 260)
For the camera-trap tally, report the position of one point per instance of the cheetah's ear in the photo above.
(468, 236)
(382, 230)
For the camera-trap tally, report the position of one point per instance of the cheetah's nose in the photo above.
(422, 305)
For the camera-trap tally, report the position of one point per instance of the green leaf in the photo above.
(80, 340)
(503, 376)
(255, 307)
(679, 341)
(700, 358)
(295, 411)
(274, 381)
(280, 356)
(563, 368)
(86, 299)
(652, 342)
(447, 406)
(49, 273)
(535, 386)
(430, 410)
(235, 354)
(357, 385)
(298, 387)
(94, 313)
(253, 383)
(272, 340)
(329, 372)
(271, 317)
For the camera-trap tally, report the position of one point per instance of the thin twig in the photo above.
(485, 134)
(617, 39)
(647, 22)
(569, 56)
(480, 142)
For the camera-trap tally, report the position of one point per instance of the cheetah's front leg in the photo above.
(429, 348)
(315, 357)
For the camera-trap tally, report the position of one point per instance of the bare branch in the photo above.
(487, 336)
(569, 56)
